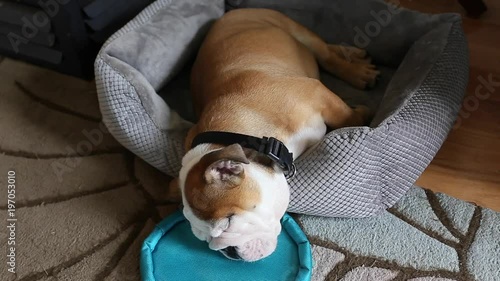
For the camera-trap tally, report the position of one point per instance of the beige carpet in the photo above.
(83, 204)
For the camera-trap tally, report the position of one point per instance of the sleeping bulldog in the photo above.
(260, 105)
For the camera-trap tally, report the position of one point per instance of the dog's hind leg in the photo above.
(351, 65)
(337, 114)
(348, 63)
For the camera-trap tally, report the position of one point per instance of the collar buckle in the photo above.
(277, 151)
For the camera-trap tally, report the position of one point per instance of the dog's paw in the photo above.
(352, 65)
(364, 76)
(364, 113)
(350, 54)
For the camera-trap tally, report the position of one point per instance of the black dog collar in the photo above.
(271, 147)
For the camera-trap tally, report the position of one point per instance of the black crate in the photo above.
(64, 35)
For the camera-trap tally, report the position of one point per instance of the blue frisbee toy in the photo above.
(172, 253)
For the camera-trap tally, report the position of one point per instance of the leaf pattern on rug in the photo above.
(84, 215)
(462, 248)
(364, 273)
(320, 271)
(430, 279)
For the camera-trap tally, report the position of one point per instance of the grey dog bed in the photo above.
(142, 81)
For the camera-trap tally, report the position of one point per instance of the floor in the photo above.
(468, 164)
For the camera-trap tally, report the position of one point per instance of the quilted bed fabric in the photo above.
(353, 172)
(375, 166)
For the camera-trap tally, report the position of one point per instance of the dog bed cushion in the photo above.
(172, 252)
(142, 77)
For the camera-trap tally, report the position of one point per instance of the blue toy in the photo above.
(172, 252)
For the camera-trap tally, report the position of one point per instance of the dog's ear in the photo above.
(226, 168)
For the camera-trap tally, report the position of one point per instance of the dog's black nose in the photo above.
(231, 253)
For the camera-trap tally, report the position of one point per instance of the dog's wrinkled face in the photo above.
(233, 203)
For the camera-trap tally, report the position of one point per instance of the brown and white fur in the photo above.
(257, 74)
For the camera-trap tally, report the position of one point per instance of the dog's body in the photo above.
(257, 74)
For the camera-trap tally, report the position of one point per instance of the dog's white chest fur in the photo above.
(310, 134)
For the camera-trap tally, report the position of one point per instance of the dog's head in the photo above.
(232, 201)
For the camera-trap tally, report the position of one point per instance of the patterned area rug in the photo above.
(83, 204)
